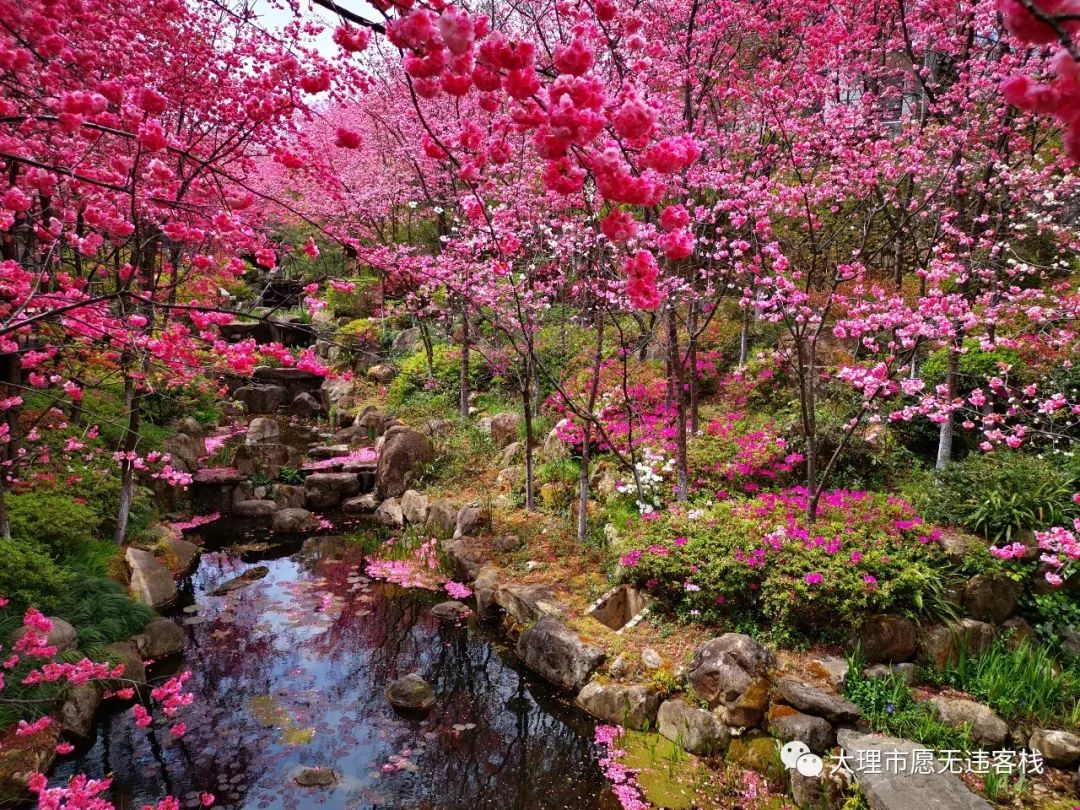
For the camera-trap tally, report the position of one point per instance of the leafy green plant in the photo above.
(291, 475)
(413, 379)
(51, 519)
(29, 576)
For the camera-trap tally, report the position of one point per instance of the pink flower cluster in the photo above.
(623, 780)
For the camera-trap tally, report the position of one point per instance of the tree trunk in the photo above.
(526, 402)
(682, 475)
(127, 467)
(583, 485)
(744, 339)
(694, 377)
(945, 431)
(463, 402)
(807, 360)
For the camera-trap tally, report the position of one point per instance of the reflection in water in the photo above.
(289, 672)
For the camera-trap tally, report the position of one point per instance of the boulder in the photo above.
(62, 635)
(631, 706)
(338, 394)
(650, 659)
(249, 577)
(467, 556)
(451, 611)
(266, 459)
(695, 730)
(78, 710)
(306, 406)
(943, 645)
(405, 341)
(728, 672)
(510, 453)
(389, 514)
(832, 668)
(757, 752)
(364, 504)
(151, 582)
(485, 587)
(991, 598)
(410, 693)
(887, 637)
(414, 507)
(254, 509)
(186, 554)
(293, 521)
(441, 520)
(260, 398)
(262, 430)
(809, 792)
(382, 373)
(527, 603)
(556, 653)
(317, 777)
(987, 729)
(901, 789)
(159, 639)
(788, 725)
(187, 449)
(505, 428)
(192, 427)
(554, 447)
(403, 451)
(289, 496)
(325, 451)
(374, 422)
(1059, 749)
(326, 490)
(816, 701)
(472, 519)
(905, 672)
(125, 653)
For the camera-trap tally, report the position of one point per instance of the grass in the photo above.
(1020, 681)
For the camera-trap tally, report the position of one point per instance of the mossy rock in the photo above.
(758, 753)
(667, 775)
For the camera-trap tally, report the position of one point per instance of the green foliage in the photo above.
(101, 611)
(1020, 681)
(54, 521)
(29, 576)
(414, 383)
(976, 366)
(460, 453)
(996, 494)
(888, 705)
(1052, 614)
(291, 475)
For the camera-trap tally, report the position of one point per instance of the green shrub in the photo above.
(50, 519)
(101, 611)
(28, 576)
(976, 366)
(444, 383)
(996, 494)
(757, 566)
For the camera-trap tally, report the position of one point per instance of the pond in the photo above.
(289, 673)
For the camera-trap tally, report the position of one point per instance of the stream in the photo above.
(288, 673)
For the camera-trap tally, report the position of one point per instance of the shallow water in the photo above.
(289, 673)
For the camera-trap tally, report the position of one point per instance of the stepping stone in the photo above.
(892, 788)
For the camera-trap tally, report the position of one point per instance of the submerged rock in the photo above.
(293, 521)
(317, 777)
(249, 577)
(411, 693)
(451, 611)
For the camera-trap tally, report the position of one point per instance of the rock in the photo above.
(289, 496)
(987, 729)
(554, 447)
(1060, 749)
(833, 668)
(887, 637)
(361, 504)
(467, 556)
(62, 635)
(788, 725)
(942, 645)
(191, 426)
(389, 514)
(410, 693)
(817, 701)
(317, 777)
(651, 659)
(450, 611)
(728, 673)
(125, 652)
(527, 603)
(159, 639)
(267, 459)
(485, 588)
(556, 653)
(695, 730)
(508, 543)
(991, 598)
(374, 422)
(186, 448)
(186, 554)
(403, 451)
(262, 430)
(896, 789)
(757, 752)
(259, 398)
(306, 406)
(533, 565)
(327, 490)
(324, 451)
(631, 706)
(249, 577)
(510, 453)
(441, 520)
(955, 546)
(405, 341)
(505, 428)
(382, 373)
(293, 521)
(414, 507)
(808, 792)
(78, 710)
(905, 672)
(1019, 629)
(622, 667)
(339, 394)
(19, 759)
(151, 582)
(1070, 642)
(255, 509)
(471, 519)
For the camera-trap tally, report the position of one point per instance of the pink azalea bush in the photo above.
(757, 563)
